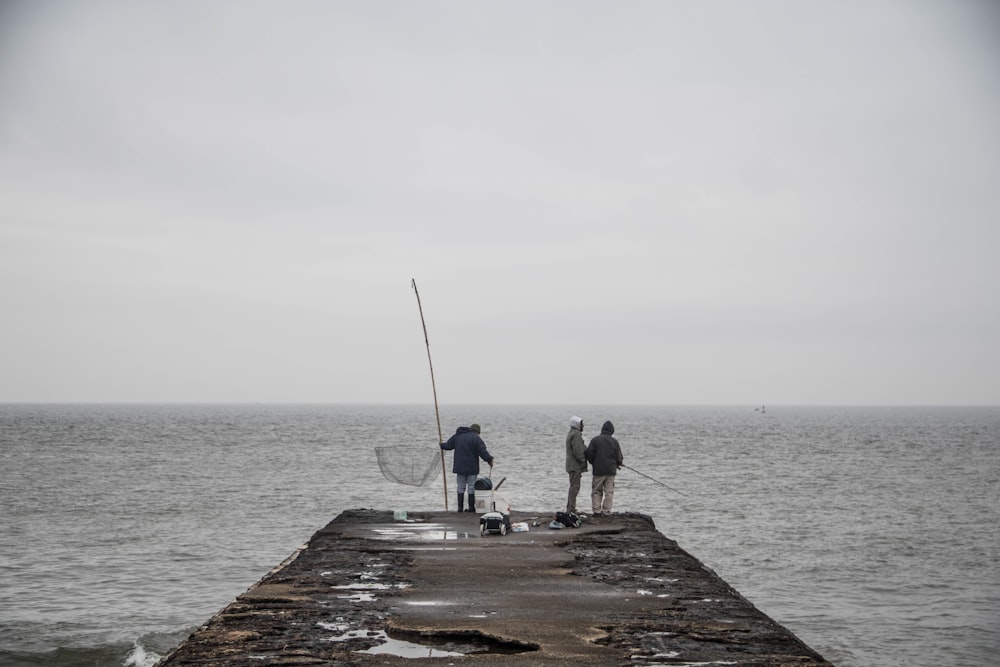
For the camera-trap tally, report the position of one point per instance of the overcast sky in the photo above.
(670, 202)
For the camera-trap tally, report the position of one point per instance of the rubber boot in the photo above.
(461, 501)
(472, 503)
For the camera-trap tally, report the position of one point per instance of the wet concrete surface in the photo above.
(368, 589)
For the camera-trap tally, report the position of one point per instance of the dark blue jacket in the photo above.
(469, 448)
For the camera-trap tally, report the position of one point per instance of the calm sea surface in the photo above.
(872, 533)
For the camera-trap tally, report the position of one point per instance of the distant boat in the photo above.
(760, 409)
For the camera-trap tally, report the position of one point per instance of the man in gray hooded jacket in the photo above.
(576, 460)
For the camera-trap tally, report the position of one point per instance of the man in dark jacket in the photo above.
(469, 448)
(605, 456)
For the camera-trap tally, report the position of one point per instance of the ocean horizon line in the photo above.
(751, 406)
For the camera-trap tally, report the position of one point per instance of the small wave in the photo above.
(140, 657)
(150, 648)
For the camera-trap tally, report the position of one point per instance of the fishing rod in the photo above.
(437, 413)
(714, 509)
(654, 479)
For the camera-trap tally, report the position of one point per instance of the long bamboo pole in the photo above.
(437, 413)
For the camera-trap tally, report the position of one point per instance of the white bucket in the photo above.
(499, 503)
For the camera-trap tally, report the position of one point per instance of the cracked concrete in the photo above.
(370, 590)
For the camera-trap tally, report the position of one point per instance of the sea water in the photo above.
(872, 533)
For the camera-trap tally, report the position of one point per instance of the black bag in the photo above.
(568, 519)
(483, 484)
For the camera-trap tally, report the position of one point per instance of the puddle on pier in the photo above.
(369, 587)
(390, 646)
(424, 646)
(420, 532)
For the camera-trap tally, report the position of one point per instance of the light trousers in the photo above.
(602, 493)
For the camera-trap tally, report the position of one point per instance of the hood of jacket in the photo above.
(576, 422)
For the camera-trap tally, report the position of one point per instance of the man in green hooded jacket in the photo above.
(576, 460)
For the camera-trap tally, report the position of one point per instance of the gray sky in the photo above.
(676, 202)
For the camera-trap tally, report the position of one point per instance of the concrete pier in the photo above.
(370, 589)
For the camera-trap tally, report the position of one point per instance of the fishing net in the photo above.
(412, 465)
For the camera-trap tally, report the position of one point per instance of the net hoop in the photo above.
(408, 464)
